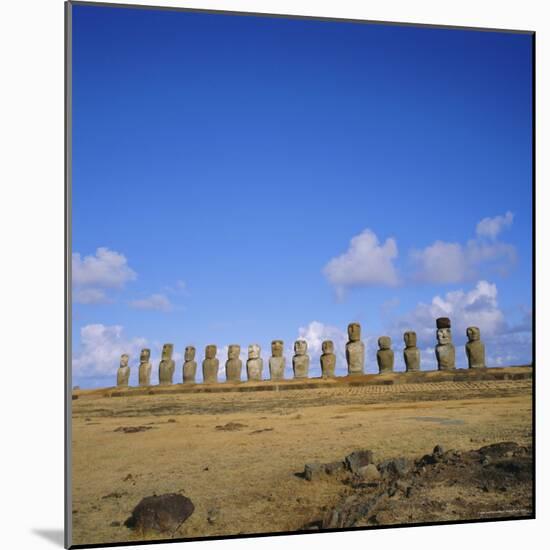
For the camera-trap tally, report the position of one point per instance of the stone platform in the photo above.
(523, 372)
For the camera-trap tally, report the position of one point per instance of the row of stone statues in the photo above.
(355, 358)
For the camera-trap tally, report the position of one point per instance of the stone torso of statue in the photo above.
(233, 365)
(384, 356)
(210, 365)
(167, 365)
(444, 350)
(300, 361)
(145, 367)
(189, 366)
(411, 354)
(355, 350)
(123, 373)
(254, 364)
(277, 361)
(328, 359)
(475, 349)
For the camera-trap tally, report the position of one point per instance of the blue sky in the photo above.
(241, 179)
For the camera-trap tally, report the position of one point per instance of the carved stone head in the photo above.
(410, 339)
(233, 351)
(254, 351)
(210, 351)
(300, 347)
(277, 347)
(190, 353)
(444, 336)
(384, 342)
(167, 351)
(124, 360)
(473, 334)
(145, 355)
(354, 332)
(328, 346)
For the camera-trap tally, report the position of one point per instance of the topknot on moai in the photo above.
(475, 349)
(355, 350)
(411, 354)
(445, 350)
(277, 361)
(189, 365)
(254, 363)
(233, 365)
(384, 356)
(328, 359)
(145, 367)
(300, 361)
(210, 365)
(123, 373)
(167, 365)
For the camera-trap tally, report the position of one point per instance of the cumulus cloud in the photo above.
(491, 227)
(449, 263)
(106, 269)
(155, 302)
(478, 306)
(100, 349)
(367, 262)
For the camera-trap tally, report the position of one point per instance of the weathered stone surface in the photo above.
(411, 354)
(233, 365)
(189, 365)
(167, 365)
(475, 349)
(328, 359)
(123, 373)
(369, 472)
(396, 467)
(254, 364)
(384, 356)
(314, 471)
(145, 367)
(355, 350)
(445, 350)
(210, 365)
(300, 361)
(277, 362)
(161, 514)
(332, 468)
(358, 459)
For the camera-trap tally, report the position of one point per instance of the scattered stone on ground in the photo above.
(133, 429)
(160, 513)
(231, 426)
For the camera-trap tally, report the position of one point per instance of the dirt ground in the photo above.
(239, 456)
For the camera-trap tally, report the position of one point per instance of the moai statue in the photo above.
(123, 373)
(145, 367)
(355, 350)
(210, 365)
(167, 365)
(445, 350)
(189, 365)
(254, 364)
(411, 353)
(277, 362)
(328, 359)
(384, 356)
(300, 361)
(233, 365)
(475, 349)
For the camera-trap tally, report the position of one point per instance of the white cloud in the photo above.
(365, 263)
(156, 302)
(92, 274)
(479, 307)
(450, 263)
(491, 227)
(100, 349)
